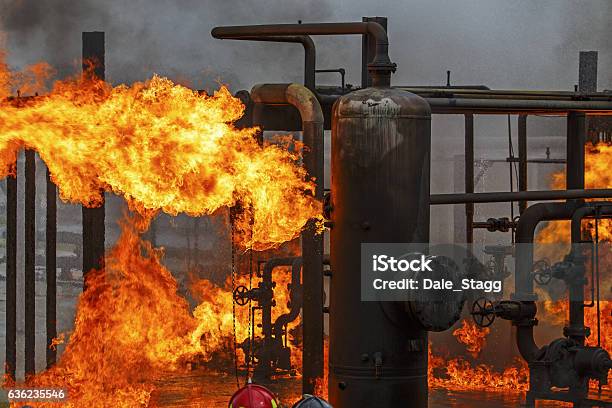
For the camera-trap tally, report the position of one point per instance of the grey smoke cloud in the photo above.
(501, 43)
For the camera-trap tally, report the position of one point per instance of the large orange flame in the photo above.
(460, 373)
(163, 147)
(131, 327)
(597, 175)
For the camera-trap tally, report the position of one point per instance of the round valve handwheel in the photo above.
(483, 312)
(241, 295)
(541, 272)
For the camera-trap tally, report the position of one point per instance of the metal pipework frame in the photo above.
(265, 300)
(310, 52)
(312, 243)
(380, 67)
(523, 281)
(576, 329)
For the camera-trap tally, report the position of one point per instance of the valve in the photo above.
(542, 273)
(483, 312)
(495, 267)
(327, 205)
(241, 295)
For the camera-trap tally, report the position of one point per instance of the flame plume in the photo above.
(161, 146)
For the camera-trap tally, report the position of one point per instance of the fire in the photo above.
(458, 373)
(472, 336)
(597, 175)
(161, 146)
(131, 327)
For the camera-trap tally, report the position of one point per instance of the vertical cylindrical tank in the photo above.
(380, 194)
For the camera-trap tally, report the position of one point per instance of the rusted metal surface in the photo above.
(93, 218)
(51, 266)
(11, 275)
(29, 262)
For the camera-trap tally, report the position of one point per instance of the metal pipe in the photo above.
(51, 266)
(380, 68)
(500, 104)
(484, 93)
(93, 218)
(368, 50)
(11, 275)
(29, 263)
(576, 138)
(523, 280)
(295, 298)
(312, 243)
(576, 330)
(469, 177)
(518, 106)
(522, 159)
(504, 196)
(310, 52)
(265, 360)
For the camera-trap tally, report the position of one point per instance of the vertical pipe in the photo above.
(576, 137)
(469, 177)
(368, 50)
(93, 218)
(265, 363)
(11, 275)
(30, 260)
(587, 72)
(51, 260)
(312, 244)
(312, 255)
(522, 151)
(310, 63)
(587, 79)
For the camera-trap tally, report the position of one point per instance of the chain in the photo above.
(233, 301)
(250, 358)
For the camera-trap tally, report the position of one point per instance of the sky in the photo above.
(500, 43)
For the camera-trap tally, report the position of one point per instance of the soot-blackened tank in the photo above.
(380, 193)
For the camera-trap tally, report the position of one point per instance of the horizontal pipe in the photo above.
(501, 105)
(380, 68)
(506, 93)
(504, 196)
(310, 52)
